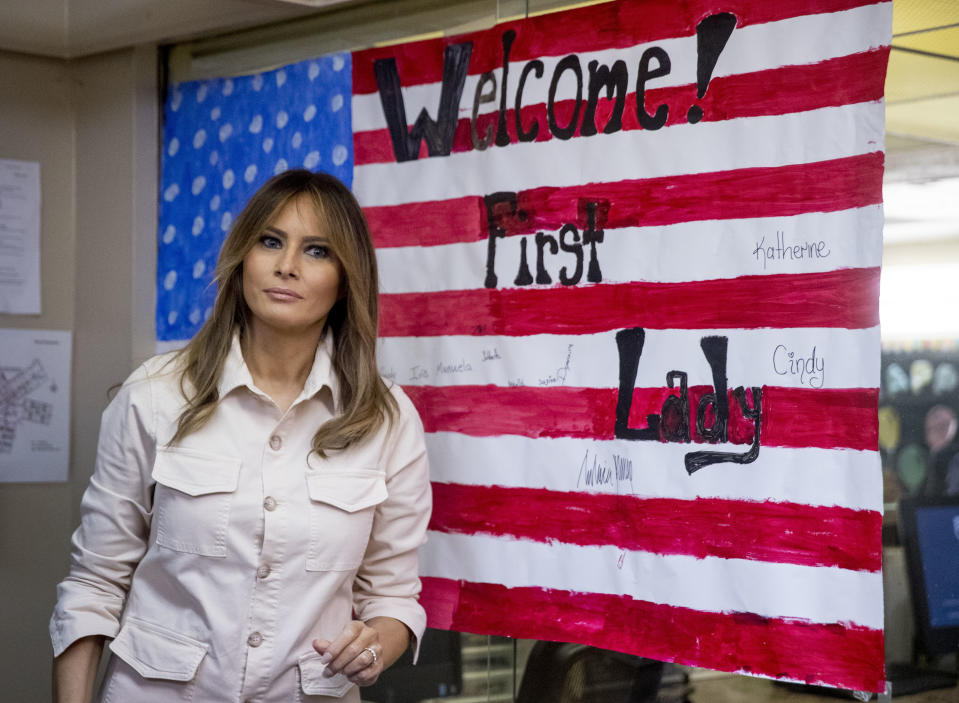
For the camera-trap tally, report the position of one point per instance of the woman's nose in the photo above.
(286, 264)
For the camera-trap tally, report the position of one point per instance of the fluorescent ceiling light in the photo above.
(921, 211)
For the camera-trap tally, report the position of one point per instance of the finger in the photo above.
(348, 646)
(335, 648)
(357, 657)
(321, 646)
(368, 674)
(367, 677)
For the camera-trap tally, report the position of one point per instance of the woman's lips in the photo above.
(283, 294)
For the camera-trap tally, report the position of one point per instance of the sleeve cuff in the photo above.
(409, 612)
(65, 630)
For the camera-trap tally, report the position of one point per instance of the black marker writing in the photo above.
(781, 251)
(672, 423)
(811, 369)
(592, 82)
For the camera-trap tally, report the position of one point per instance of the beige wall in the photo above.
(92, 126)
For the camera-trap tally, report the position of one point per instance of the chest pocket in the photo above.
(342, 504)
(192, 500)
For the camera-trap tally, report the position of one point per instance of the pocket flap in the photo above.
(194, 473)
(314, 683)
(156, 652)
(347, 490)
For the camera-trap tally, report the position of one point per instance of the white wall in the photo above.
(92, 126)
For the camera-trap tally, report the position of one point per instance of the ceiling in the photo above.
(922, 84)
(74, 28)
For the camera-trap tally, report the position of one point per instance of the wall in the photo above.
(92, 126)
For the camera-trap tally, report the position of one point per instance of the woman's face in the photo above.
(291, 279)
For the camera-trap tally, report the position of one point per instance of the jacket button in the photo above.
(276, 442)
(255, 639)
(263, 571)
(269, 503)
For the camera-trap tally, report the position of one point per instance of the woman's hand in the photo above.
(362, 651)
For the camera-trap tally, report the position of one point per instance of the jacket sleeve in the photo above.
(387, 583)
(115, 520)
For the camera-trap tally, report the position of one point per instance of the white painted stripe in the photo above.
(750, 49)
(817, 594)
(760, 357)
(680, 149)
(827, 477)
(689, 251)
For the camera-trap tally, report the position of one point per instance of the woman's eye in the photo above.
(318, 252)
(270, 242)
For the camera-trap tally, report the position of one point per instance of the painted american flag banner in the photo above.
(630, 262)
(629, 259)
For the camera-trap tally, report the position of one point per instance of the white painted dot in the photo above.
(309, 113)
(215, 203)
(256, 124)
(207, 313)
(226, 221)
(168, 234)
(214, 157)
(250, 173)
(280, 78)
(199, 138)
(338, 62)
(171, 318)
(339, 154)
(228, 86)
(201, 93)
(169, 280)
(215, 113)
(336, 102)
(176, 100)
(195, 315)
(268, 145)
(297, 140)
(258, 82)
(199, 268)
(171, 192)
(281, 119)
(225, 132)
(197, 225)
(199, 183)
(280, 167)
(173, 147)
(313, 71)
(311, 160)
(229, 178)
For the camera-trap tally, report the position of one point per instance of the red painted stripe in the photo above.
(777, 91)
(786, 533)
(607, 26)
(780, 191)
(811, 418)
(428, 223)
(838, 654)
(842, 418)
(845, 298)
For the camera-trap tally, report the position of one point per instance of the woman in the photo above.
(256, 487)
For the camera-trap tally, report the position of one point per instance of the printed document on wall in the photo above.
(34, 405)
(19, 237)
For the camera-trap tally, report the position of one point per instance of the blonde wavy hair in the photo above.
(365, 401)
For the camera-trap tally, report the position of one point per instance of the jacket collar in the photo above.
(236, 374)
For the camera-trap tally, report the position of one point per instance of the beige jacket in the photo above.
(215, 563)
